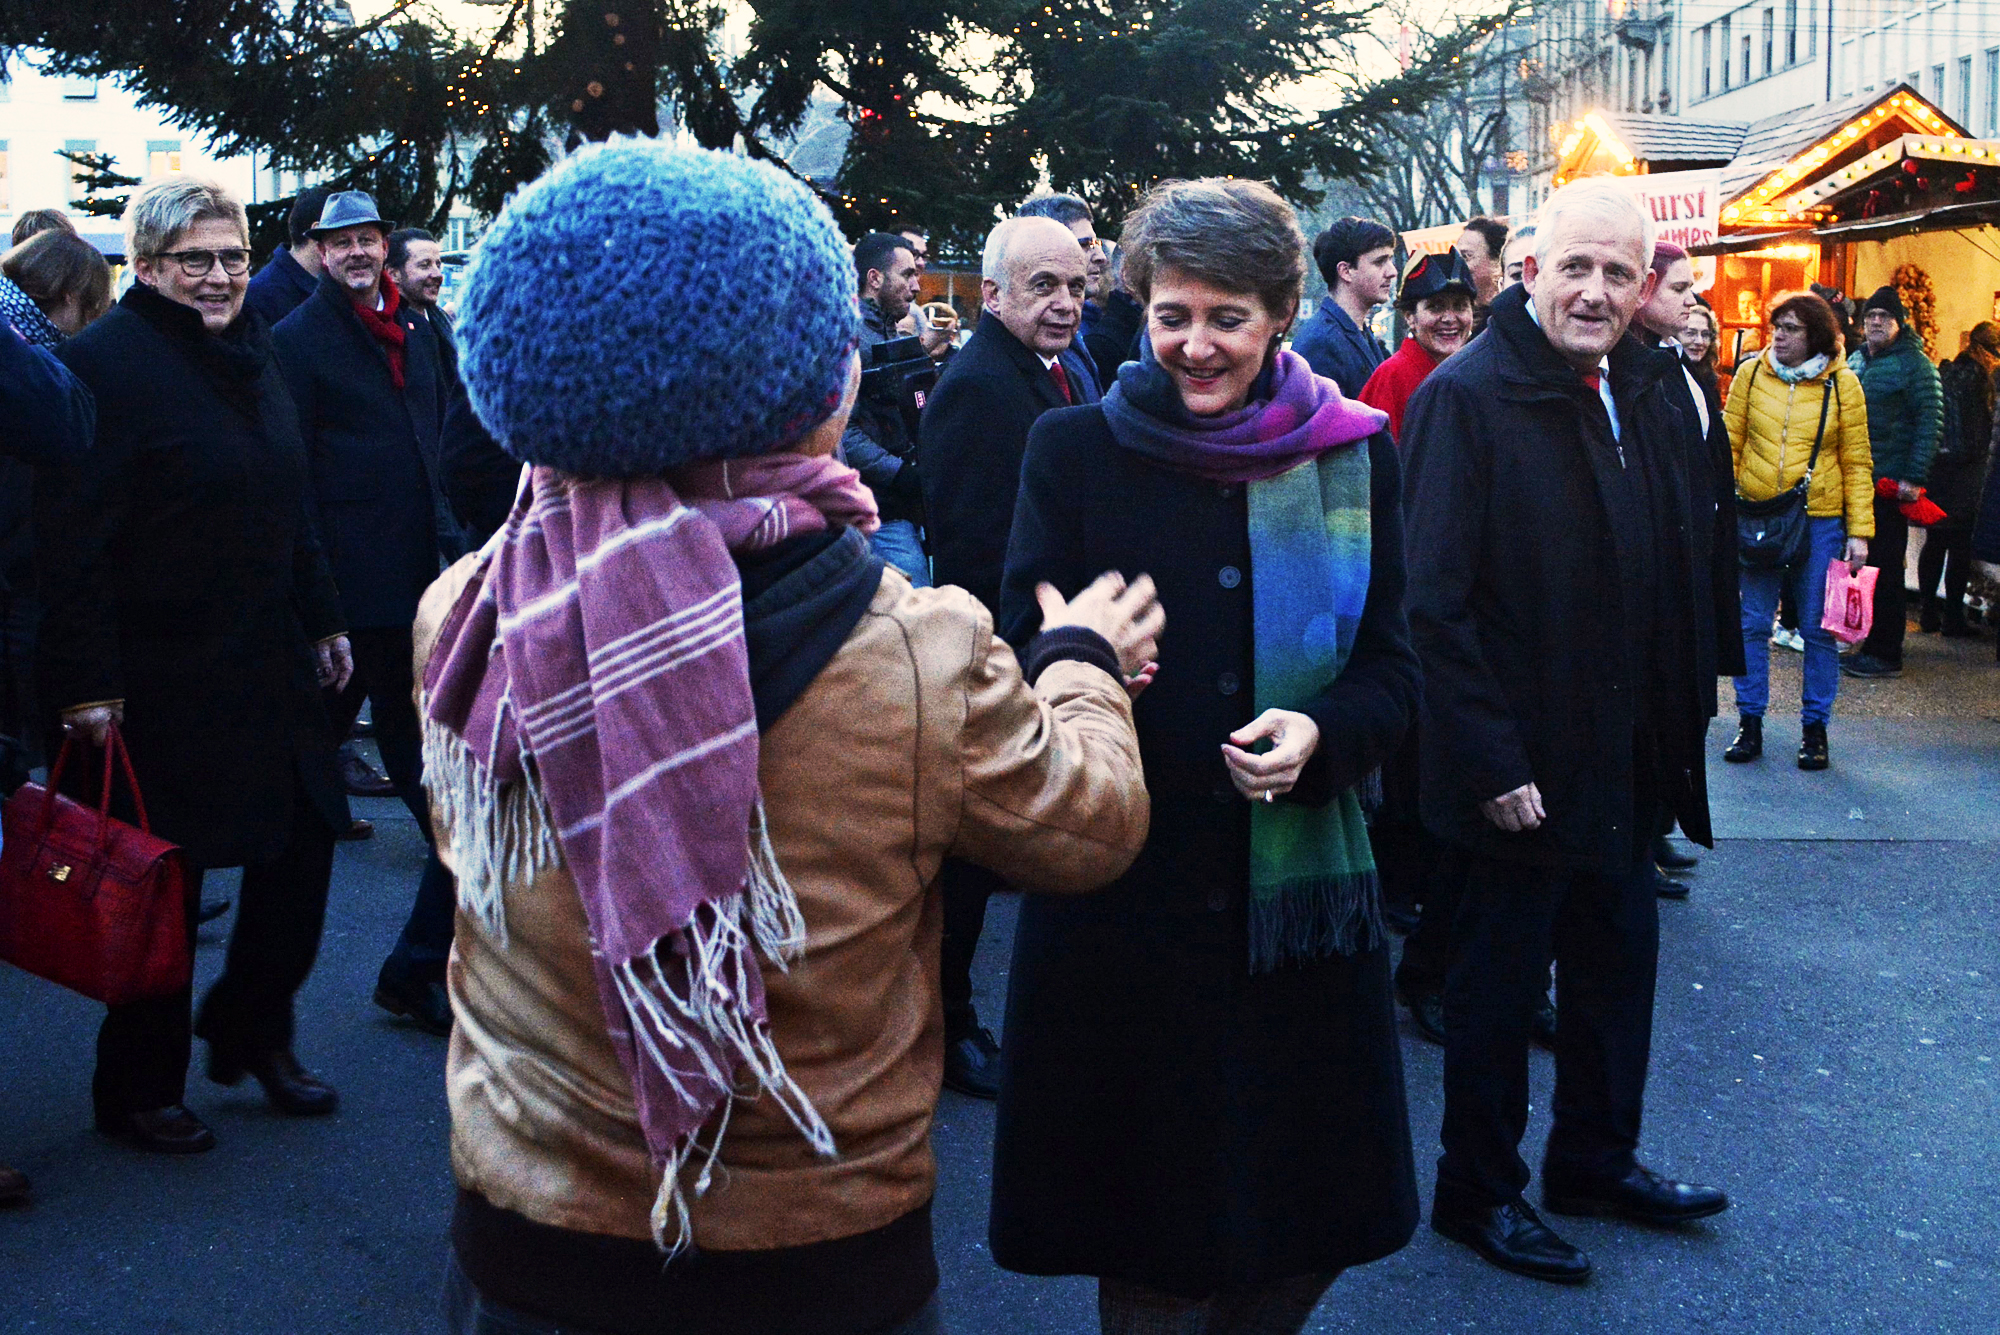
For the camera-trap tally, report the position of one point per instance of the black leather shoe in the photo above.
(1544, 1032)
(357, 830)
(1426, 1012)
(1868, 667)
(14, 1187)
(363, 779)
(169, 1130)
(290, 1087)
(1666, 887)
(426, 1005)
(1511, 1236)
(1927, 622)
(1669, 858)
(1749, 743)
(972, 1063)
(1398, 919)
(1958, 628)
(1812, 747)
(210, 910)
(1641, 1194)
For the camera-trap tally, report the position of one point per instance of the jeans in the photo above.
(898, 543)
(467, 1311)
(1806, 582)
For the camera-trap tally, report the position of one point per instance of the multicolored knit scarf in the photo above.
(588, 705)
(1303, 451)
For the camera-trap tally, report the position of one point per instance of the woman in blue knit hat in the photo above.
(695, 756)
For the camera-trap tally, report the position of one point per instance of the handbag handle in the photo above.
(114, 746)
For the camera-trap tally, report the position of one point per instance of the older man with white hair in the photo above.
(1020, 362)
(1553, 604)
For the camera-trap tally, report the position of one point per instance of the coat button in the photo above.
(1227, 684)
(1229, 577)
(1218, 898)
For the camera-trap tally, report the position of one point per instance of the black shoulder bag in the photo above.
(1771, 535)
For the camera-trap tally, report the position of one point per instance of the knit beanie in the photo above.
(1885, 299)
(644, 306)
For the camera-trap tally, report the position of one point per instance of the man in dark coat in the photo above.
(1712, 494)
(293, 272)
(877, 442)
(1553, 606)
(1357, 257)
(1019, 363)
(1114, 339)
(374, 387)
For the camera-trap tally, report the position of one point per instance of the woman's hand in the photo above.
(95, 721)
(1857, 555)
(336, 662)
(1516, 811)
(1293, 737)
(1128, 616)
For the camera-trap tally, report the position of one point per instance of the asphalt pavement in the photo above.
(1825, 1048)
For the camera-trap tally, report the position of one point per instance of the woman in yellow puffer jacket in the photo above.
(1773, 415)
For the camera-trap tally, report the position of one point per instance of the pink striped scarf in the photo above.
(588, 704)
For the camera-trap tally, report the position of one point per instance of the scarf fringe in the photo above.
(1307, 920)
(500, 834)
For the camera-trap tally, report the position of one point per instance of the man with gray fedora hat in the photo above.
(375, 392)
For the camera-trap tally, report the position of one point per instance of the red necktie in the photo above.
(1061, 378)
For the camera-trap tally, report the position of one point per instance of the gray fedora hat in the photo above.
(348, 208)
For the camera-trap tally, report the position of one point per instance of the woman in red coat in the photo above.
(1436, 302)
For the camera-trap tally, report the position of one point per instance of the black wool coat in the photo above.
(1718, 593)
(1115, 339)
(1165, 1117)
(374, 450)
(180, 574)
(970, 440)
(1524, 595)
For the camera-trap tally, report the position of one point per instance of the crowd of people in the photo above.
(733, 643)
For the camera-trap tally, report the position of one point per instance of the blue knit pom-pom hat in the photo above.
(643, 306)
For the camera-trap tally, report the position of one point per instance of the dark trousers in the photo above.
(1605, 934)
(143, 1046)
(1415, 864)
(1947, 555)
(966, 888)
(1887, 551)
(385, 677)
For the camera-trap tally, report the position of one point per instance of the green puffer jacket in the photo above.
(1905, 408)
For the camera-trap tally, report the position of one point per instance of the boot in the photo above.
(1749, 743)
(1812, 749)
(1928, 620)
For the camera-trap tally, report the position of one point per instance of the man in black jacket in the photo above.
(1019, 363)
(1552, 602)
(1712, 492)
(293, 272)
(877, 442)
(1357, 257)
(374, 387)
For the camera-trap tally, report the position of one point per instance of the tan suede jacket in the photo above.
(917, 740)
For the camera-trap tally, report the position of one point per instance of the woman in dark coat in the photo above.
(187, 601)
(1203, 1100)
(1958, 473)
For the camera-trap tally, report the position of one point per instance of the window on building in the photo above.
(1770, 40)
(1937, 84)
(1707, 61)
(1727, 55)
(76, 88)
(163, 157)
(1915, 81)
(6, 87)
(1812, 28)
(1746, 57)
(1962, 104)
(76, 170)
(6, 202)
(1991, 128)
(1791, 32)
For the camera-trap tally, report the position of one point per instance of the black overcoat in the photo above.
(1718, 593)
(374, 451)
(179, 574)
(1522, 587)
(1165, 1117)
(969, 445)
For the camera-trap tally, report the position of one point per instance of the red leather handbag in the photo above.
(88, 901)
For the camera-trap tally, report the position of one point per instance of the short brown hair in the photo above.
(1822, 329)
(1237, 235)
(53, 266)
(36, 221)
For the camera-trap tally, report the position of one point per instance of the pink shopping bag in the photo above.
(1850, 602)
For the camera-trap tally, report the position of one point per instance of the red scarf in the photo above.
(384, 325)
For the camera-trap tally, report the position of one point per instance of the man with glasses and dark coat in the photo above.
(374, 389)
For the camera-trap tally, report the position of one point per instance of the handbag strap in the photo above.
(1819, 437)
(114, 749)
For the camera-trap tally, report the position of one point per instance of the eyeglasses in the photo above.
(197, 263)
(1789, 327)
